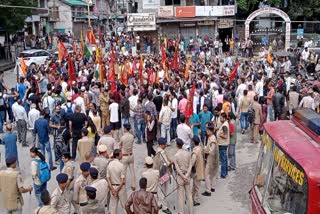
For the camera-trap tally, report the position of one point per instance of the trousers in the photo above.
(196, 190)
(184, 192)
(128, 162)
(22, 131)
(122, 198)
(210, 180)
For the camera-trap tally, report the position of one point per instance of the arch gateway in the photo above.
(270, 10)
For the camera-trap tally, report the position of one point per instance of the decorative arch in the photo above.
(270, 10)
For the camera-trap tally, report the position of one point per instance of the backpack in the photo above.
(69, 112)
(43, 171)
(60, 146)
(251, 114)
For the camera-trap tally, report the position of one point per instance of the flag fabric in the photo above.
(234, 73)
(269, 58)
(62, 51)
(165, 69)
(141, 69)
(71, 71)
(82, 42)
(189, 108)
(163, 54)
(134, 65)
(24, 67)
(84, 48)
(101, 73)
(91, 38)
(112, 55)
(124, 75)
(186, 73)
(174, 63)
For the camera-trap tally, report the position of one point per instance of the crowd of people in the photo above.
(96, 116)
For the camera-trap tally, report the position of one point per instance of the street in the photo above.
(231, 195)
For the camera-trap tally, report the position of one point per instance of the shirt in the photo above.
(139, 112)
(143, 202)
(184, 132)
(114, 112)
(307, 102)
(41, 127)
(10, 142)
(33, 115)
(204, 117)
(194, 120)
(133, 102)
(20, 113)
(165, 115)
(174, 105)
(78, 122)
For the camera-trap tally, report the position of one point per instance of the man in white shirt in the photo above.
(185, 133)
(133, 101)
(21, 117)
(241, 88)
(114, 118)
(79, 101)
(49, 102)
(307, 101)
(259, 86)
(305, 54)
(174, 115)
(33, 115)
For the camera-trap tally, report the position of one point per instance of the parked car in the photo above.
(34, 57)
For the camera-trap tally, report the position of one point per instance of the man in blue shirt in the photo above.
(21, 88)
(41, 127)
(205, 116)
(10, 142)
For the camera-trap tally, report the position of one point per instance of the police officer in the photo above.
(116, 181)
(152, 176)
(104, 106)
(92, 206)
(60, 196)
(108, 140)
(12, 199)
(100, 184)
(162, 161)
(126, 145)
(101, 161)
(68, 169)
(79, 193)
(183, 166)
(198, 164)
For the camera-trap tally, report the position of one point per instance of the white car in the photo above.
(34, 57)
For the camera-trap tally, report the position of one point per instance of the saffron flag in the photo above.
(124, 76)
(163, 54)
(186, 73)
(24, 67)
(189, 108)
(269, 58)
(71, 71)
(91, 38)
(101, 73)
(234, 73)
(62, 51)
(141, 69)
(165, 69)
(134, 65)
(174, 63)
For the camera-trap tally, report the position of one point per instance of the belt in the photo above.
(127, 154)
(154, 193)
(115, 184)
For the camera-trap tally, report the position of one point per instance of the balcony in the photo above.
(54, 14)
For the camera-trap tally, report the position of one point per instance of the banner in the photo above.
(185, 12)
(165, 11)
(141, 21)
(215, 10)
(150, 4)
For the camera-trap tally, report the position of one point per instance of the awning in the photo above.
(84, 17)
(173, 19)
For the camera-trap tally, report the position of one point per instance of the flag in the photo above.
(100, 35)
(112, 55)
(101, 73)
(269, 58)
(134, 65)
(163, 54)
(189, 108)
(74, 47)
(62, 51)
(24, 67)
(165, 69)
(71, 71)
(174, 63)
(234, 73)
(91, 38)
(82, 42)
(186, 73)
(141, 69)
(124, 75)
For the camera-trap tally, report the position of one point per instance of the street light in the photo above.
(89, 2)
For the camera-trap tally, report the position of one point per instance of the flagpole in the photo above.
(88, 4)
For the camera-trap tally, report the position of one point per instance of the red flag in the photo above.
(100, 35)
(24, 67)
(91, 38)
(124, 75)
(186, 73)
(62, 51)
(174, 64)
(71, 71)
(166, 73)
(112, 55)
(189, 108)
(141, 69)
(234, 72)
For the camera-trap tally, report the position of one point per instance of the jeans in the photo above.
(139, 124)
(173, 127)
(203, 137)
(133, 126)
(46, 146)
(165, 132)
(75, 139)
(232, 156)
(244, 123)
(224, 160)
(2, 120)
(38, 189)
(270, 112)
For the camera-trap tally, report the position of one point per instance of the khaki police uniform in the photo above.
(48, 209)
(79, 192)
(152, 176)
(104, 106)
(101, 163)
(92, 207)
(110, 142)
(183, 166)
(115, 172)
(101, 186)
(126, 145)
(85, 145)
(198, 163)
(60, 200)
(212, 165)
(69, 169)
(12, 199)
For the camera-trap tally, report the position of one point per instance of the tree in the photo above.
(13, 19)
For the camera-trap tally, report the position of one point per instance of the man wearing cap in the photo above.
(211, 151)
(126, 145)
(116, 181)
(183, 166)
(101, 185)
(92, 206)
(108, 140)
(161, 163)
(142, 200)
(152, 176)
(85, 144)
(198, 164)
(10, 142)
(185, 133)
(104, 106)
(101, 161)
(34, 114)
(12, 199)
(60, 198)
(68, 168)
(79, 194)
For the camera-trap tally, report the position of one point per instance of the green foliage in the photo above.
(12, 19)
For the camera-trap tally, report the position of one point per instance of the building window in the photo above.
(172, 2)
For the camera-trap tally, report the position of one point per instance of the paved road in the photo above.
(231, 196)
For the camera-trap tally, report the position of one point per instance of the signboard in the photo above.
(141, 21)
(185, 12)
(165, 11)
(215, 10)
(300, 33)
(150, 4)
(225, 23)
